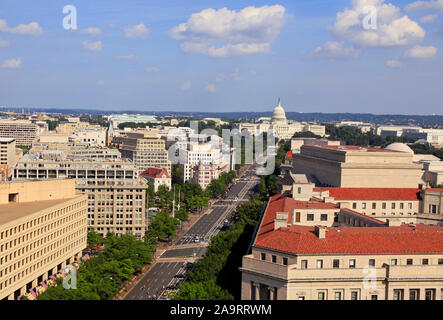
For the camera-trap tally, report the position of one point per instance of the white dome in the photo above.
(279, 113)
(400, 147)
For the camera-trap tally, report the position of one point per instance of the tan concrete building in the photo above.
(203, 174)
(24, 132)
(353, 166)
(8, 157)
(116, 196)
(43, 227)
(431, 207)
(371, 262)
(145, 151)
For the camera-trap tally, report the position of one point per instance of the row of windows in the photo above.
(401, 205)
(36, 266)
(398, 294)
(38, 221)
(352, 262)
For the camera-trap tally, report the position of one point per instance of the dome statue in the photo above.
(279, 115)
(399, 147)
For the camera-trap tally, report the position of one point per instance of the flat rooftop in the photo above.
(13, 211)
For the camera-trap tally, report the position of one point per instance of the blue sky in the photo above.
(234, 60)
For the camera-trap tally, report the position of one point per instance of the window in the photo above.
(430, 294)
(440, 261)
(372, 262)
(374, 297)
(304, 264)
(363, 205)
(354, 295)
(393, 205)
(324, 217)
(393, 262)
(374, 205)
(301, 298)
(310, 217)
(414, 294)
(285, 261)
(274, 259)
(425, 261)
(321, 296)
(263, 256)
(336, 263)
(383, 205)
(319, 264)
(398, 294)
(409, 261)
(402, 205)
(299, 190)
(354, 205)
(352, 263)
(337, 295)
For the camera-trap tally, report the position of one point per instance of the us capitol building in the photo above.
(282, 127)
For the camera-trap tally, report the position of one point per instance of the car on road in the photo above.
(179, 276)
(196, 239)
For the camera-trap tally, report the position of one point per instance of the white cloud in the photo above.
(423, 5)
(210, 87)
(139, 30)
(152, 69)
(4, 43)
(100, 82)
(334, 51)
(429, 18)
(235, 76)
(186, 86)
(394, 64)
(12, 63)
(91, 31)
(92, 46)
(392, 29)
(128, 57)
(420, 52)
(225, 33)
(32, 29)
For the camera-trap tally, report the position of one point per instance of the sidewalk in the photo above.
(163, 246)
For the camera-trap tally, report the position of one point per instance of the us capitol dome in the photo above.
(279, 114)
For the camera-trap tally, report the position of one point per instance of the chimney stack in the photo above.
(320, 232)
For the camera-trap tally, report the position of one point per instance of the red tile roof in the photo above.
(373, 193)
(378, 240)
(360, 240)
(155, 173)
(277, 203)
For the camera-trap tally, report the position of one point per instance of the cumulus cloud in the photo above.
(429, 18)
(186, 86)
(334, 51)
(235, 76)
(128, 57)
(138, 31)
(12, 63)
(225, 33)
(394, 64)
(31, 29)
(152, 69)
(210, 87)
(421, 52)
(392, 29)
(424, 5)
(91, 31)
(93, 46)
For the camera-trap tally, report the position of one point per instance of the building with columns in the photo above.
(43, 228)
(352, 257)
(282, 127)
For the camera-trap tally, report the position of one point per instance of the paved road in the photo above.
(162, 274)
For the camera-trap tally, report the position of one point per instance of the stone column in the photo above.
(256, 290)
(272, 292)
